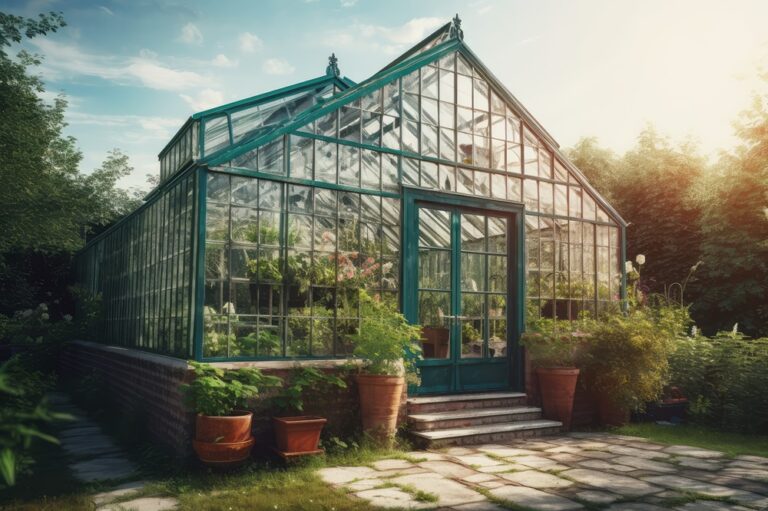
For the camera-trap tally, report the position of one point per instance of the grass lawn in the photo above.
(732, 444)
(258, 486)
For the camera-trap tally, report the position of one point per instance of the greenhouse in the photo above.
(427, 185)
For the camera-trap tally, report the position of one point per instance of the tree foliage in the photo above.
(49, 207)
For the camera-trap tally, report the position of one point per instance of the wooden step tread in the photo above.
(442, 434)
(471, 413)
(464, 397)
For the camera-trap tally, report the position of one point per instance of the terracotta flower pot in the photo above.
(610, 412)
(380, 403)
(298, 434)
(223, 440)
(558, 386)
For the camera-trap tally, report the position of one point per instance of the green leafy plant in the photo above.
(217, 392)
(629, 353)
(553, 343)
(386, 342)
(291, 397)
(23, 413)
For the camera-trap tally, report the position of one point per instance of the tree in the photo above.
(598, 164)
(734, 224)
(653, 191)
(48, 205)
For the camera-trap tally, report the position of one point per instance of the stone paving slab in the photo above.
(711, 505)
(538, 480)
(597, 497)
(695, 452)
(534, 499)
(124, 490)
(447, 491)
(623, 485)
(634, 506)
(392, 498)
(644, 464)
(610, 472)
(143, 504)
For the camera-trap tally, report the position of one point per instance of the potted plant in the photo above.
(556, 351)
(223, 426)
(389, 348)
(300, 434)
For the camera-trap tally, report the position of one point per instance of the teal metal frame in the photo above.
(412, 199)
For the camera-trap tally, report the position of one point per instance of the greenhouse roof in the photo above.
(448, 38)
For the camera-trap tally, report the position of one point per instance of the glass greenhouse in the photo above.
(428, 184)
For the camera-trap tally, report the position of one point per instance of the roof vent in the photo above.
(333, 66)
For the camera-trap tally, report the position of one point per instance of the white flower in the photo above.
(67, 317)
(628, 267)
(44, 316)
(27, 313)
(640, 259)
(229, 308)
(694, 331)
(42, 307)
(735, 329)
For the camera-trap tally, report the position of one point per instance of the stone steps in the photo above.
(447, 403)
(488, 433)
(466, 419)
(471, 417)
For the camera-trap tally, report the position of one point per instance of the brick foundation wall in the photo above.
(146, 385)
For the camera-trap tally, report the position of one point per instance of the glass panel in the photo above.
(302, 157)
(472, 325)
(434, 228)
(446, 86)
(429, 82)
(325, 161)
(349, 165)
(436, 336)
(463, 91)
(216, 134)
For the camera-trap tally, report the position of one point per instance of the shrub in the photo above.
(553, 343)
(217, 392)
(629, 353)
(724, 378)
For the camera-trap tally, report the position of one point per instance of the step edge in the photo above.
(524, 426)
(450, 398)
(464, 414)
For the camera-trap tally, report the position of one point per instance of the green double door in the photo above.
(464, 289)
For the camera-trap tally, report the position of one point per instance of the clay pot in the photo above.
(380, 404)
(223, 440)
(610, 412)
(558, 386)
(298, 434)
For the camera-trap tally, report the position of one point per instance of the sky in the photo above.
(134, 70)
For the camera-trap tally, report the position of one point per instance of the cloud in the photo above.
(205, 99)
(250, 43)
(222, 60)
(65, 61)
(277, 67)
(106, 10)
(190, 34)
(134, 128)
(348, 3)
(389, 40)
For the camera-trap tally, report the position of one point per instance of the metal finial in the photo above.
(456, 30)
(333, 66)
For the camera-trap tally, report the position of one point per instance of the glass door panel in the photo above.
(434, 283)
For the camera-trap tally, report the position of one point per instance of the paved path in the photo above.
(96, 459)
(577, 471)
